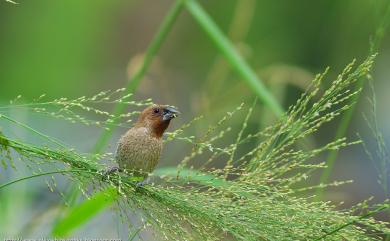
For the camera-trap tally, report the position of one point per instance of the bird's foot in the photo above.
(141, 183)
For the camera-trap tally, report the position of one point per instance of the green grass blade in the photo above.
(84, 212)
(232, 56)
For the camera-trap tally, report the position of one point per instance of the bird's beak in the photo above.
(169, 113)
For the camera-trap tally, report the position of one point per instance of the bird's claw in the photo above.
(140, 184)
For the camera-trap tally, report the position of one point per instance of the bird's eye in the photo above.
(156, 110)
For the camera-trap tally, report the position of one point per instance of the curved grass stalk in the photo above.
(44, 174)
(233, 57)
(2, 116)
(367, 215)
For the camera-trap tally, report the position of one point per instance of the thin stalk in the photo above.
(43, 174)
(369, 214)
(238, 30)
(33, 130)
(228, 50)
(135, 233)
(135, 80)
(10, 1)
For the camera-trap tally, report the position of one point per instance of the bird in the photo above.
(139, 149)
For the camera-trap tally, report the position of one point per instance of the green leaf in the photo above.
(84, 212)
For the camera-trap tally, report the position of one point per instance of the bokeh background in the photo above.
(74, 48)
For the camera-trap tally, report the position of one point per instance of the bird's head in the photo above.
(157, 118)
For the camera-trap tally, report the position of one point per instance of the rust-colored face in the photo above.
(157, 118)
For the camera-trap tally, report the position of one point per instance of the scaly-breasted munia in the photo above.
(139, 149)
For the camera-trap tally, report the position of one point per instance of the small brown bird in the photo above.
(140, 148)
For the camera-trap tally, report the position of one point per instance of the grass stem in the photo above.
(228, 50)
(135, 80)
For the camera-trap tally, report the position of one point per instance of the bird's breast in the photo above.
(138, 150)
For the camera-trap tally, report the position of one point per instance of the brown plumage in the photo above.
(140, 147)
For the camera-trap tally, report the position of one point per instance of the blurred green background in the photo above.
(73, 48)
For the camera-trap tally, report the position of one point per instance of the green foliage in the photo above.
(84, 212)
(103, 199)
(252, 197)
